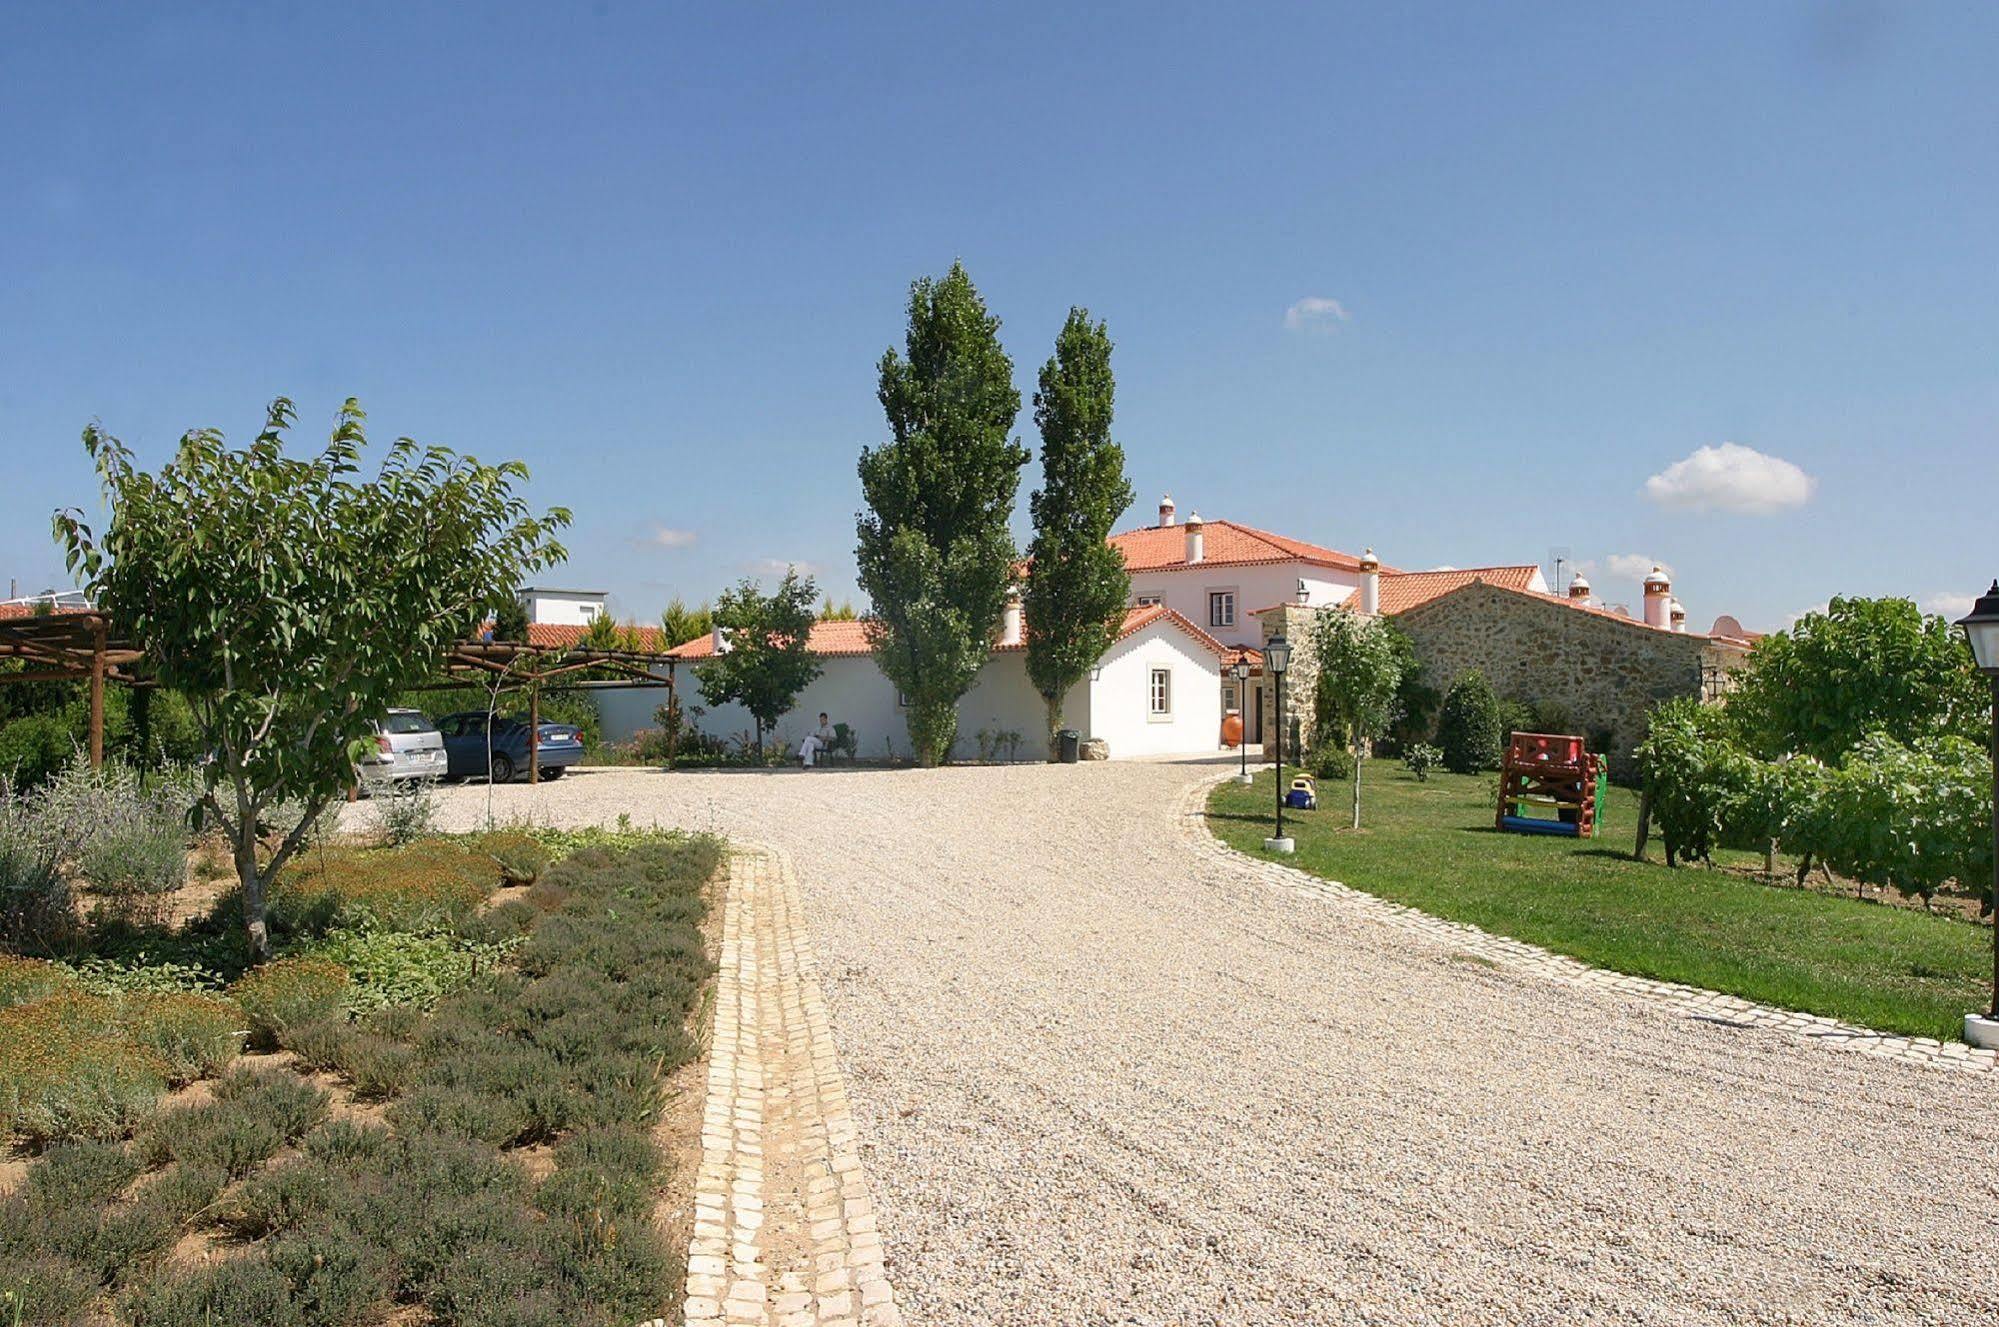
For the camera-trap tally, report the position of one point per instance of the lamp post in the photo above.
(1981, 628)
(1277, 658)
(1240, 672)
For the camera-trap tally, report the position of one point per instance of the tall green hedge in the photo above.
(1469, 728)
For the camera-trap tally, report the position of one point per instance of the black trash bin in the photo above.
(1072, 745)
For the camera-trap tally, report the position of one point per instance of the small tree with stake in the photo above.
(1360, 670)
(1076, 581)
(290, 600)
(768, 661)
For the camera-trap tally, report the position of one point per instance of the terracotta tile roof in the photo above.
(1571, 604)
(1223, 543)
(550, 636)
(18, 609)
(1402, 591)
(837, 639)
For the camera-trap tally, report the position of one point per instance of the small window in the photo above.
(588, 612)
(1147, 601)
(1162, 691)
(1221, 608)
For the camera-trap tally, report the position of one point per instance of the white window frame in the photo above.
(588, 612)
(1234, 605)
(1158, 692)
(1147, 600)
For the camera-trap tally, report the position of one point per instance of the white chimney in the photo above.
(1370, 583)
(1579, 590)
(1658, 598)
(1195, 545)
(1677, 616)
(1010, 629)
(1166, 511)
(721, 636)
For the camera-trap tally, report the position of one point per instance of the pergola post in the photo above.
(97, 694)
(534, 732)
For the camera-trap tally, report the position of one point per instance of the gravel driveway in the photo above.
(1103, 1078)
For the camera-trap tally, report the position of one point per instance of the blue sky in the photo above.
(1453, 281)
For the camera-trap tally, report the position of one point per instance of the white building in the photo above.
(562, 608)
(1156, 691)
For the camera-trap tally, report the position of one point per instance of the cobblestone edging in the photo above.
(1519, 956)
(784, 1228)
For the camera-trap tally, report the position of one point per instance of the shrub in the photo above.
(520, 857)
(134, 837)
(337, 1279)
(279, 1199)
(1468, 729)
(81, 1175)
(289, 993)
(280, 1099)
(210, 1136)
(376, 1066)
(407, 811)
(1419, 758)
(401, 968)
(241, 1290)
(1696, 776)
(1330, 761)
(72, 1070)
(1515, 716)
(341, 1141)
(25, 980)
(193, 1035)
(1910, 817)
(35, 904)
(418, 886)
(185, 1191)
(44, 1290)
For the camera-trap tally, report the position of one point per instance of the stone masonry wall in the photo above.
(1608, 673)
(1301, 680)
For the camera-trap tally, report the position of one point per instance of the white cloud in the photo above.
(1731, 478)
(1315, 311)
(1792, 619)
(1630, 566)
(778, 566)
(1952, 606)
(665, 536)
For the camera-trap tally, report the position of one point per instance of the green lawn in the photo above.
(1432, 846)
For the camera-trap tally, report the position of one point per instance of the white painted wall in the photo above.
(1185, 591)
(1119, 708)
(851, 690)
(562, 608)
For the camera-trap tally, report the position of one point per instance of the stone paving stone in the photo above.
(1518, 955)
(798, 1226)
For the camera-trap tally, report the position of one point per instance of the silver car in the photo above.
(407, 746)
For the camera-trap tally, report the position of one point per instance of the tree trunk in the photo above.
(1356, 785)
(1054, 704)
(1804, 867)
(1769, 857)
(1645, 827)
(252, 881)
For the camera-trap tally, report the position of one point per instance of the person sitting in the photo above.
(816, 742)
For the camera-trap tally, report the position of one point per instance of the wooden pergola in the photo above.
(72, 645)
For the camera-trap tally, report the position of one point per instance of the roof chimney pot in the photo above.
(1166, 510)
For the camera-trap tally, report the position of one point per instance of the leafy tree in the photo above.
(510, 619)
(844, 611)
(1863, 665)
(1359, 672)
(767, 663)
(1415, 700)
(1468, 727)
(1697, 778)
(1076, 582)
(1913, 816)
(934, 550)
(290, 600)
(680, 624)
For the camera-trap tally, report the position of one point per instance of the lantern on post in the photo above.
(1277, 658)
(1981, 629)
(1240, 671)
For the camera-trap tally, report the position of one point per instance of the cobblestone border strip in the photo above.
(1518, 955)
(784, 1228)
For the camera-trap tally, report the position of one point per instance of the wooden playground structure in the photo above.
(1549, 772)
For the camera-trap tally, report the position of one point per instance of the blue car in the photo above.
(559, 746)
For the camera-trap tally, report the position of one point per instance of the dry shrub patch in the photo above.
(429, 883)
(341, 1223)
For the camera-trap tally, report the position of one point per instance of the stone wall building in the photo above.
(1607, 669)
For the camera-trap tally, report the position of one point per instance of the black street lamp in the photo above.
(1277, 658)
(1981, 628)
(1239, 670)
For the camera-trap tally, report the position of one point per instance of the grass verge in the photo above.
(1432, 845)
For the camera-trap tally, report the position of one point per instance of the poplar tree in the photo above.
(934, 550)
(1077, 585)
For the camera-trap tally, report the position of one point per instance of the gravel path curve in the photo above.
(1102, 1078)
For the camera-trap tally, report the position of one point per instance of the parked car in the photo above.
(407, 746)
(558, 747)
